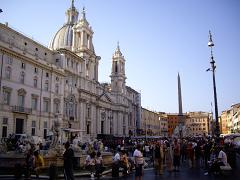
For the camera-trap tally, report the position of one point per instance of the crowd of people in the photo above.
(167, 154)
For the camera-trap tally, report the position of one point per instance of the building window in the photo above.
(35, 70)
(46, 105)
(23, 66)
(46, 86)
(34, 103)
(77, 67)
(33, 128)
(57, 61)
(45, 133)
(8, 71)
(102, 127)
(87, 70)
(45, 126)
(67, 62)
(9, 60)
(5, 121)
(57, 88)
(124, 130)
(88, 128)
(21, 100)
(35, 82)
(6, 96)
(4, 131)
(56, 106)
(22, 77)
(88, 111)
(47, 74)
(116, 67)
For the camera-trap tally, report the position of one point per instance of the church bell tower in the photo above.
(118, 78)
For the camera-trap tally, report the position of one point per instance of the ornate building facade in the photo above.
(40, 85)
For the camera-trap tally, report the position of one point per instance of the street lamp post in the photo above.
(213, 67)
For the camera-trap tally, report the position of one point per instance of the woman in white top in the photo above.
(138, 160)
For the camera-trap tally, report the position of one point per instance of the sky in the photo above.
(158, 38)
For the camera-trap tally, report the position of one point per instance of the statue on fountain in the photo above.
(56, 148)
(180, 131)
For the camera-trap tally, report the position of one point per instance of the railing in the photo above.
(21, 109)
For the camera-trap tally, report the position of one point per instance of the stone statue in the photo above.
(56, 148)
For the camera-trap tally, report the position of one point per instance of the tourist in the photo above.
(159, 158)
(169, 157)
(116, 163)
(207, 152)
(214, 165)
(99, 164)
(38, 163)
(176, 155)
(29, 163)
(190, 155)
(68, 158)
(139, 161)
(124, 162)
(90, 163)
(183, 151)
(147, 150)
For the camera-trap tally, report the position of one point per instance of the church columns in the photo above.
(82, 39)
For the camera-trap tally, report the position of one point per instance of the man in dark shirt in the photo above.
(68, 162)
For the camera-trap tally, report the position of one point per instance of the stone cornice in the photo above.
(24, 36)
(68, 52)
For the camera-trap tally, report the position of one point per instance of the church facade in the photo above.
(40, 85)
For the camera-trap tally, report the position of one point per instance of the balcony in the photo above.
(20, 109)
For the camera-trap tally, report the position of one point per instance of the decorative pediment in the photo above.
(56, 100)
(8, 89)
(104, 97)
(22, 91)
(35, 96)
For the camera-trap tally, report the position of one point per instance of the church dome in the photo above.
(64, 36)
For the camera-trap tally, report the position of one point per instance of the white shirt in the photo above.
(116, 157)
(222, 157)
(137, 154)
(147, 148)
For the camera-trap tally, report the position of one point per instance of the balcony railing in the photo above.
(21, 109)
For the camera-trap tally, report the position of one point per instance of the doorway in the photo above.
(19, 126)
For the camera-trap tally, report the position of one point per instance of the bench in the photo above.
(225, 170)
